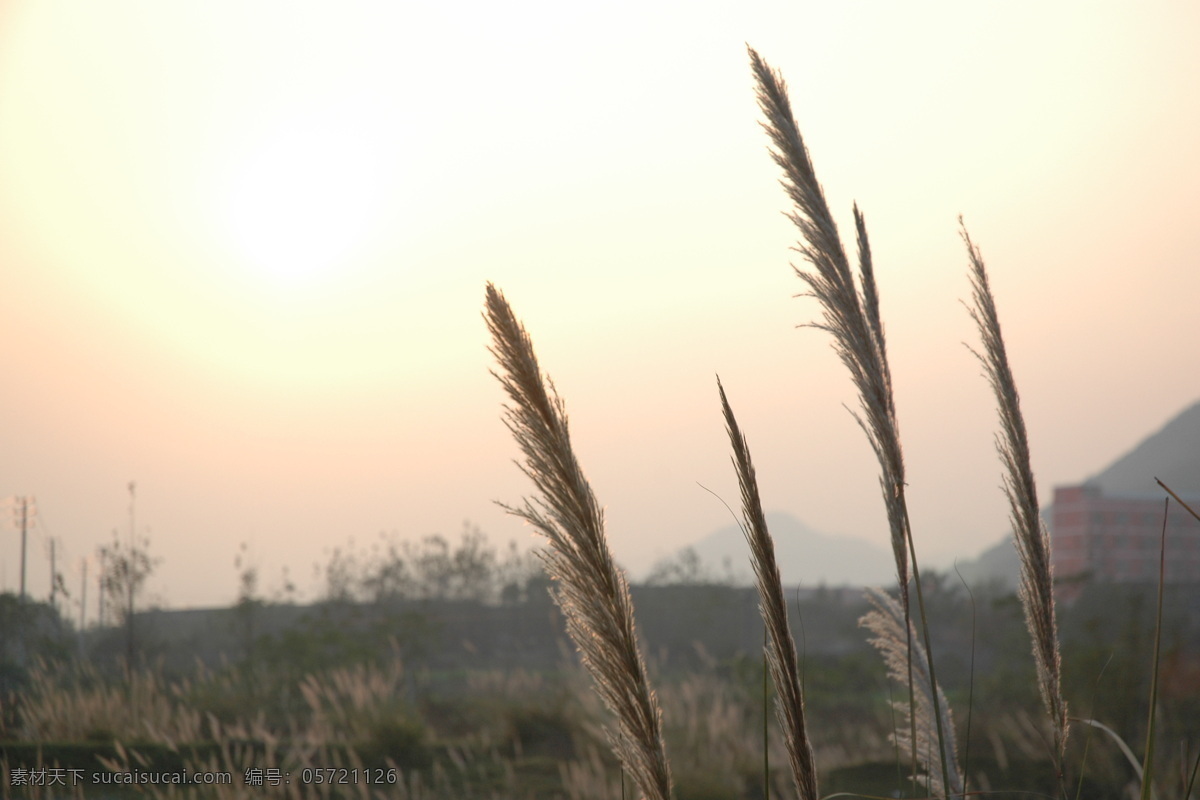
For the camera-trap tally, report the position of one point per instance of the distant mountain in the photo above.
(809, 558)
(804, 556)
(1172, 454)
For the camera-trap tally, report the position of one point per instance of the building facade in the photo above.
(1100, 537)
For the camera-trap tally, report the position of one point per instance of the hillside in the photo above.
(1172, 454)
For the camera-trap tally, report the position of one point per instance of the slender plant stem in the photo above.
(766, 694)
(1190, 510)
(966, 770)
(948, 787)
(1191, 781)
(1151, 727)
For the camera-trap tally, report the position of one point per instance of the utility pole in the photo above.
(24, 519)
(83, 598)
(131, 565)
(53, 581)
(100, 585)
(82, 609)
(132, 502)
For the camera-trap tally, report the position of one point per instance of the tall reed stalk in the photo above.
(1032, 540)
(590, 590)
(780, 647)
(851, 316)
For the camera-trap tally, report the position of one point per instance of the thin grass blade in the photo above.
(1151, 723)
(1171, 492)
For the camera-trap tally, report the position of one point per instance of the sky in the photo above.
(243, 252)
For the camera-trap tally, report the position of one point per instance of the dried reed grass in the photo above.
(1032, 539)
(590, 590)
(781, 648)
(79, 705)
(851, 316)
(887, 622)
(345, 703)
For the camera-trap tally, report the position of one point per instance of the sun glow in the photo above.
(308, 198)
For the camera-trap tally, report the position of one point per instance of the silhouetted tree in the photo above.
(126, 569)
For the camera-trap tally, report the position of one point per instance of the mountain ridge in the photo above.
(807, 556)
(1172, 453)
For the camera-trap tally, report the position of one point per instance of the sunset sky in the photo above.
(243, 251)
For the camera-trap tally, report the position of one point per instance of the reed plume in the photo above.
(851, 316)
(592, 593)
(933, 722)
(781, 648)
(1032, 540)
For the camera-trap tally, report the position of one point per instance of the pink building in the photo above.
(1116, 538)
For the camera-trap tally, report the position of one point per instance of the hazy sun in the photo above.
(304, 200)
